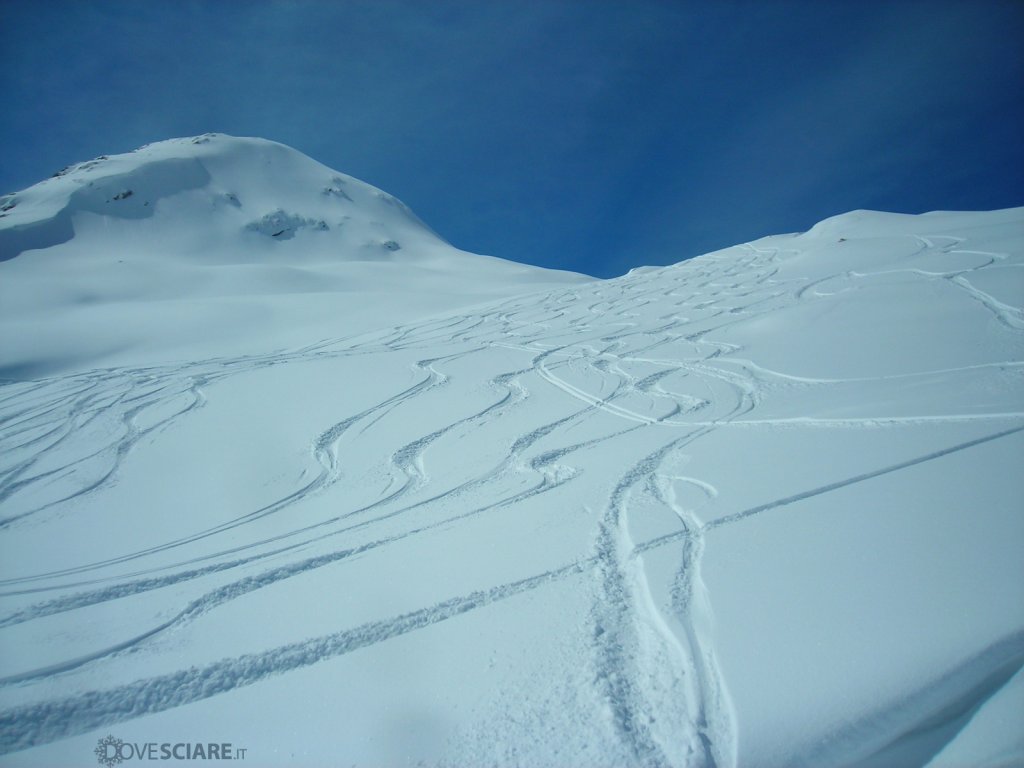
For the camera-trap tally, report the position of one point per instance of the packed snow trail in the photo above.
(539, 529)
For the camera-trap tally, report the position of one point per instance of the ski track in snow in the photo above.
(636, 352)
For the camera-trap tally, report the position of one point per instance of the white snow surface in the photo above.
(352, 496)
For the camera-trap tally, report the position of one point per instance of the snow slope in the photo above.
(762, 507)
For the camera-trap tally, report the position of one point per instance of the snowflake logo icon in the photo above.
(108, 751)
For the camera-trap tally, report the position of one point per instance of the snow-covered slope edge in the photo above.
(759, 508)
(218, 245)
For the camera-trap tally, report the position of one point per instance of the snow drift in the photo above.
(762, 507)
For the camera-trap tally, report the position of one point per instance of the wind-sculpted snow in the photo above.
(758, 508)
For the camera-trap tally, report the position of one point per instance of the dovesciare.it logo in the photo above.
(111, 751)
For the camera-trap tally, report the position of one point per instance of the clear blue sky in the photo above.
(591, 135)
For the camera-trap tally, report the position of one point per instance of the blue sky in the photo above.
(592, 136)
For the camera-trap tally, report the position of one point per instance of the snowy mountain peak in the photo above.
(181, 193)
(222, 242)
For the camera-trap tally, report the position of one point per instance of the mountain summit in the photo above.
(208, 190)
(214, 238)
